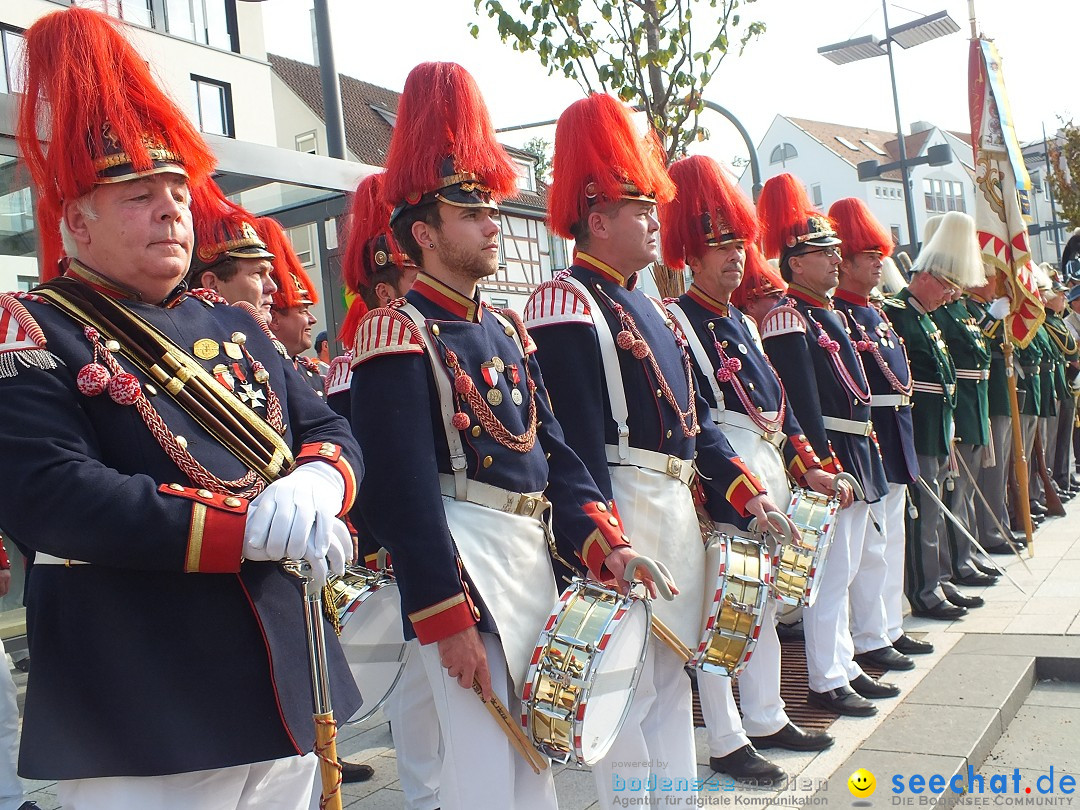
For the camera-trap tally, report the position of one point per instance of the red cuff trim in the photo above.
(331, 454)
(742, 489)
(805, 458)
(5, 562)
(371, 561)
(608, 536)
(216, 533)
(444, 618)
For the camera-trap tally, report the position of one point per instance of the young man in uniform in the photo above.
(620, 378)
(169, 644)
(707, 226)
(468, 447)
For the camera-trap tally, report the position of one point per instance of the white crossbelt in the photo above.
(41, 558)
(889, 400)
(973, 374)
(528, 504)
(739, 419)
(636, 457)
(851, 426)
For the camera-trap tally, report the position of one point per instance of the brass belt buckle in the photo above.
(674, 467)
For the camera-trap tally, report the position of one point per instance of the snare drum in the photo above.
(584, 671)
(738, 606)
(368, 610)
(797, 565)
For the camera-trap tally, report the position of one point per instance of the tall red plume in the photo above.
(702, 186)
(357, 310)
(81, 73)
(215, 218)
(782, 208)
(759, 279)
(596, 141)
(858, 228)
(441, 113)
(288, 270)
(369, 217)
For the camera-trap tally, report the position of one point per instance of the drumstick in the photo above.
(513, 730)
(665, 634)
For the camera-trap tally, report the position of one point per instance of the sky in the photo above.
(780, 73)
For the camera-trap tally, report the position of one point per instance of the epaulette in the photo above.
(518, 326)
(339, 377)
(249, 308)
(783, 320)
(206, 295)
(555, 302)
(21, 339)
(893, 303)
(386, 331)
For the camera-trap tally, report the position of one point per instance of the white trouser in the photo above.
(874, 575)
(829, 649)
(480, 766)
(890, 513)
(759, 695)
(280, 784)
(414, 723)
(11, 788)
(653, 754)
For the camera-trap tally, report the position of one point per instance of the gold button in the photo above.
(476, 431)
(239, 337)
(614, 521)
(488, 461)
(176, 488)
(601, 506)
(659, 393)
(476, 613)
(802, 437)
(625, 539)
(509, 331)
(232, 502)
(750, 386)
(815, 459)
(181, 442)
(112, 345)
(711, 325)
(150, 390)
(434, 329)
(669, 434)
(205, 493)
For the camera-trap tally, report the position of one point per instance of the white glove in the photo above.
(999, 308)
(296, 518)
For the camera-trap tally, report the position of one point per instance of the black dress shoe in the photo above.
(29, 806)
(1003, 549)
(748, 766)
(960, 600)
(1037, 509)
(942, 610)
(794, 738)
(976, 580)
(790, 632)
(990, 570)
(912, 646)
(870, 688)
(887, 657)
(842, 700)
(355, 771)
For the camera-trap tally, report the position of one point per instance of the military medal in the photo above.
(222, 375)
(515, 375)
(500, 366)
(233, 350)
(516, 396)
(250, 396)
(490, 372)
(206, 349)
(495, 397)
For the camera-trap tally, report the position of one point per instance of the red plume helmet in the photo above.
(223, 230)
(444, 146)
(294, 287)
(600, 155)
(369, 249)
(760, 279)
(858, 228)
(708, 210)
(106, 119)
(789, 220)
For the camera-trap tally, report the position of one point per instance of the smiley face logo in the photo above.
(862, 784)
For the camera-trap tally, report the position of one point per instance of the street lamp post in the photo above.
(906, 35)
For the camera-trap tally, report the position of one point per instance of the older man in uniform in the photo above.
(621, 379)
(810, 345)
(462, 415)
(707, 227)
(866, 243)
(1060, 450)
(169, 645)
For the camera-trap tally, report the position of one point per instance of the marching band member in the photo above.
(866, 244)
(619, 376)
(177, 499)
(466, 445)
(811, 346)
(707, 226)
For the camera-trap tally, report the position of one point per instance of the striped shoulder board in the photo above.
(386, 331)
(22, 342)
(555, 302)
(339, 376)
(782, 321)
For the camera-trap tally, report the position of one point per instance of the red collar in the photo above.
(806, 296)
(852, 297)
(468, 309)
(583, 259)
(698, 295)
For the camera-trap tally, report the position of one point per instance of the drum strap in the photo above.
(446, 404)
(701, 357)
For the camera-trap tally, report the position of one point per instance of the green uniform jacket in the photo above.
(999, 382)
(1065, 352)
(1028, 380)
(971, 355)
(932, 373)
